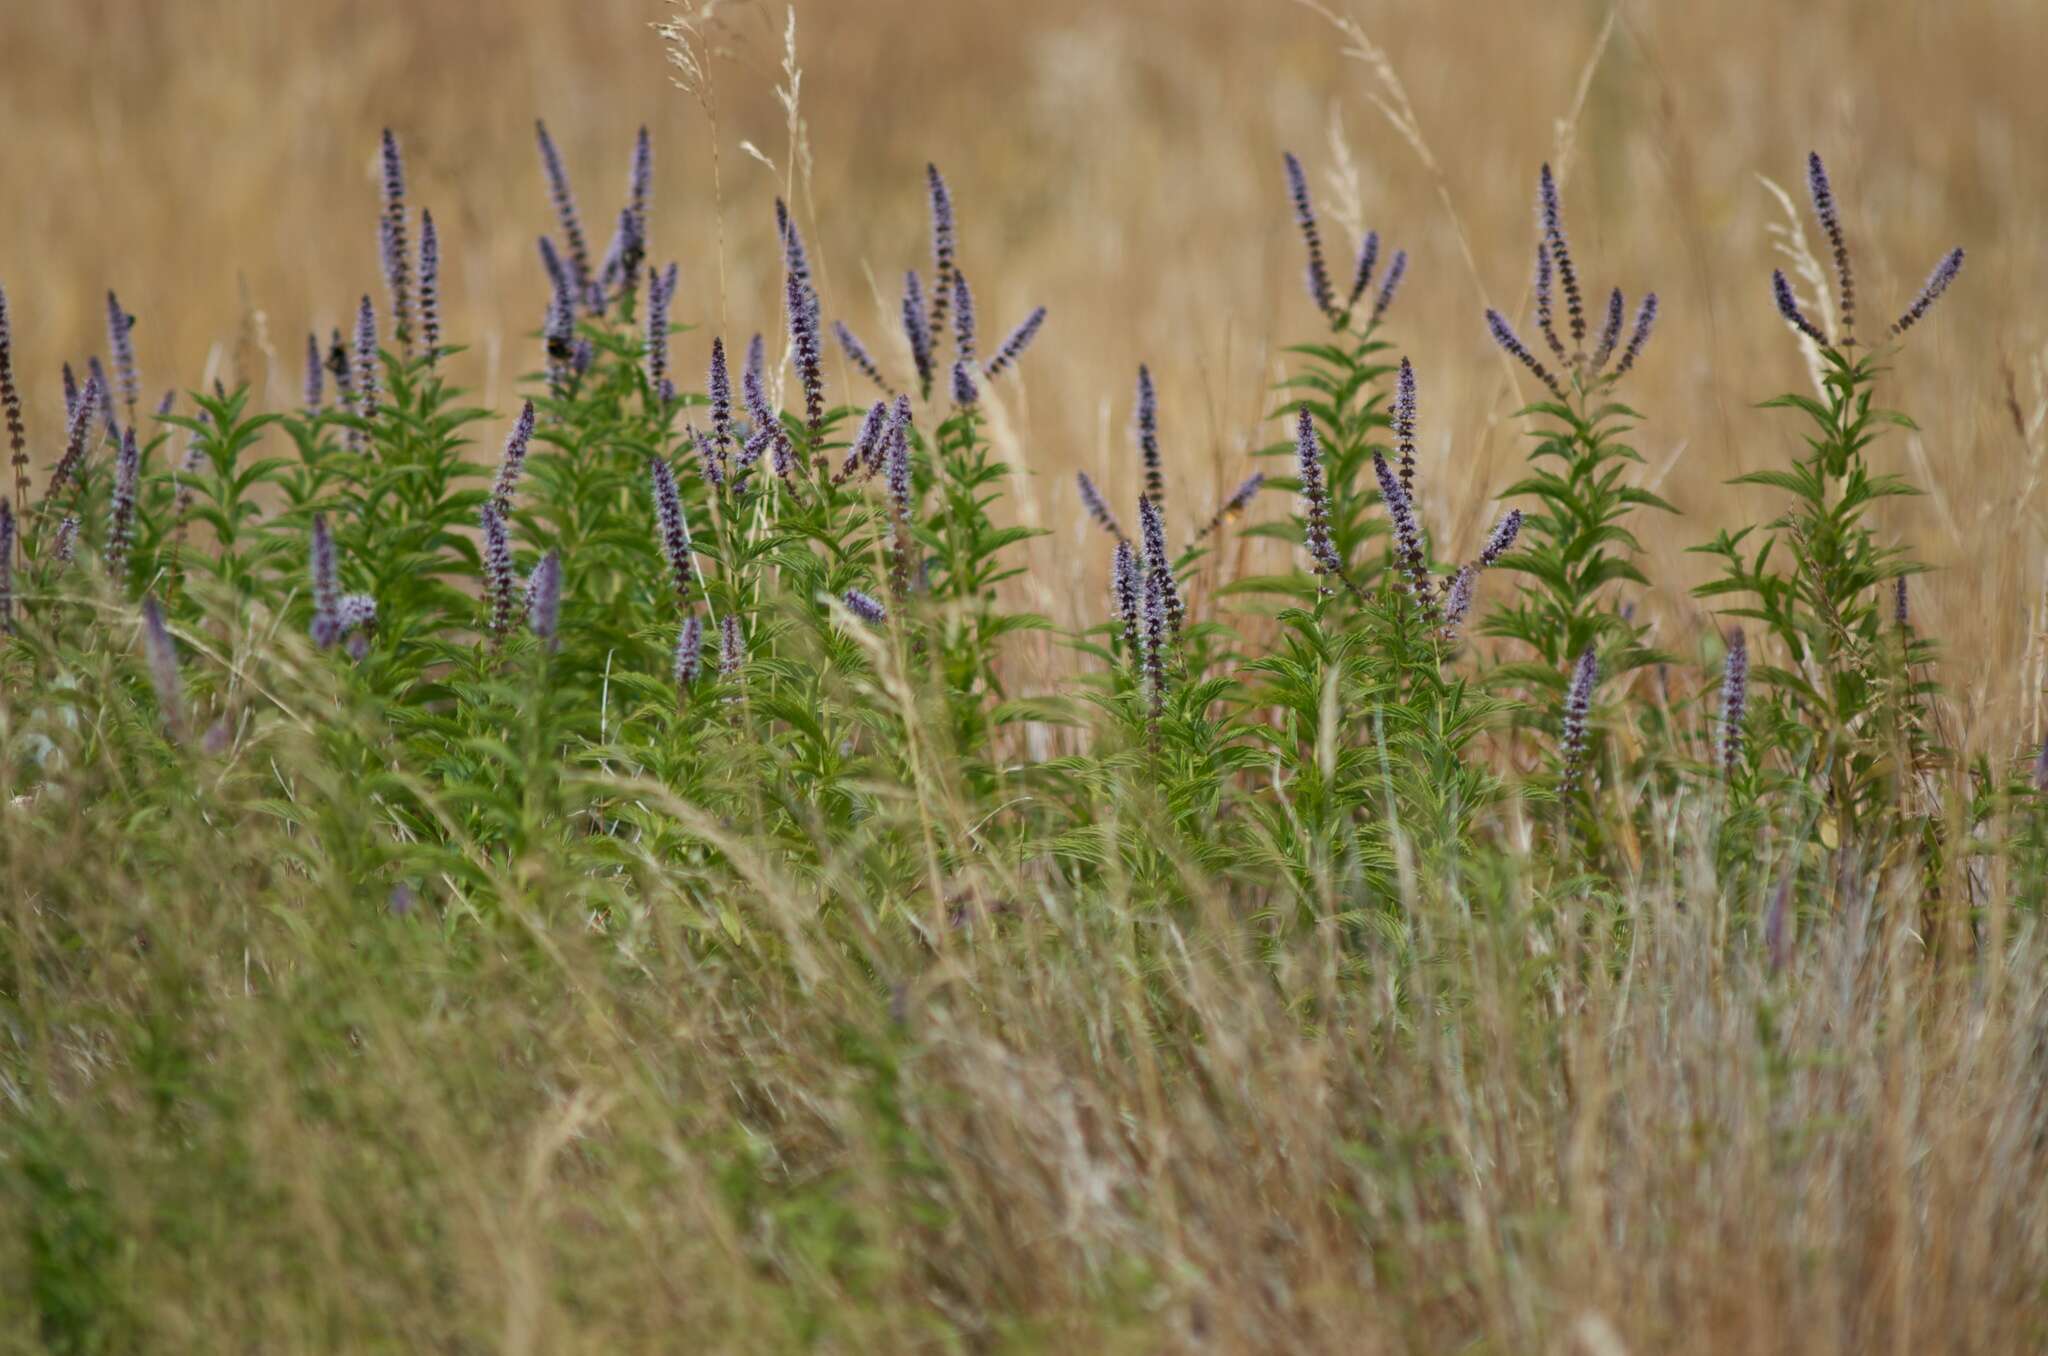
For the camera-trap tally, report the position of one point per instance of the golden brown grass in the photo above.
(314, 1127)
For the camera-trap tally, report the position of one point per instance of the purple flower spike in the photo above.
(337, 367)
(551, 263)
(965, 393)
(558, 340)
(430, 287)
(67, 539)
(1146, 420)
(857, 353)
(497, 570)
(513, 462)
(732, 646)
(1937, 282)
(10, 404)
(565, 212)
(326, 627)
(760, 437)
(917, 330)
(1610, 332)
(2041, 768)
(1552, 209)
(356, 612)
(127, 485)
(544, 600)
(1240, 499)
(1458, 600)
(397, 268)
(1319, 289)
(869, 610)
(1831, 223)
(1734, 701)
(366, 361)
(1504, 335)
(1361, 277)
(1546, 311)
(1502, 539)
(709, 462)
(1404, 424)
(7, 533)
(803, 339)
(355, 618)
(1158, 564)
(896, 464)
(1315, 498)
(316, 374)
(964, 319)
(97, 375)
(1646, 317)
(796, 259)
(1397, 269)
(75, 438)
(162, 653)
(1014, 346)
(622, 260)
(674, 529)
(1578, 705)
(1788, 307)
(1126, 587)
(1408, 555)
(1097, 506)
(865, 450)
(640, 185)
(689, 660)
(121, 343)
(943, 233)
(70, 393)
(766, 432)
(660, 293)
(718, 391)
(1153, 646)
(754, 380)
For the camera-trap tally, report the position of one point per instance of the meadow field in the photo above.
(1394, 703)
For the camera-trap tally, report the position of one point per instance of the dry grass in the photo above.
(1119, 1130)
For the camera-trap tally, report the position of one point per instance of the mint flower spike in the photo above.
(1823, 195)
(544, 600)
(1097, 506)
(1505, 336)
(689, 658)
(1930, 292)
(565, 212)
(1734, 700)
(1319, 289)
(1013, 347)
(1578, 705)
(1315, 499)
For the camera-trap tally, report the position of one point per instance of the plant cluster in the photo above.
(719, 682)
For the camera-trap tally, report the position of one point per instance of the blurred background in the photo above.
(214, 160)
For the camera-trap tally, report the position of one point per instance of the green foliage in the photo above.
(870, 989)
(1341, 386)
(1845, 712)
(1575, 545)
